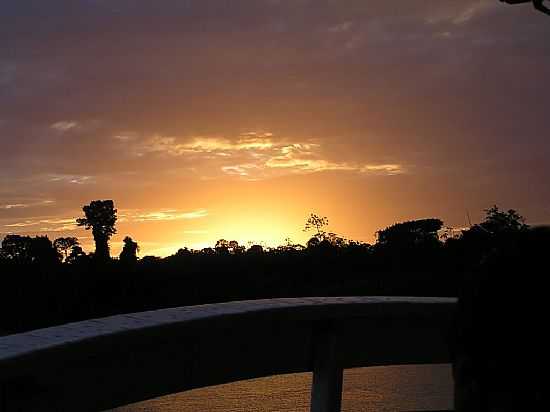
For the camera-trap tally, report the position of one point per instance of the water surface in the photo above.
(393, 388)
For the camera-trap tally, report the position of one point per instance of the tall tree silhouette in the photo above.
(129, 251)
(100, 216)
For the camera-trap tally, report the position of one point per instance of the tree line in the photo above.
(48, 282)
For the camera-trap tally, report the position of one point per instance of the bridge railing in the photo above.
(104, 363)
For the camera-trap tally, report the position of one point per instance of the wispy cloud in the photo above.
(387, 169)
(60, 228)
(246, 169)
(342, 27)
(460, 13)
(14, 206)
(65, 224)
(472, 11)
(25, 223)
(64, 126)
(22, 205)
(161, 215)
(259, 155)
(54, 224)
(72, 179)
(126, 136)
(172, 146)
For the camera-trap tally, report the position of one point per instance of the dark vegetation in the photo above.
(500, 349)
(46, 283)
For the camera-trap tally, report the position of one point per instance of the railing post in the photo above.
(326, 391)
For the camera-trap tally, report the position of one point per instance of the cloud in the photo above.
(164, 215)
(386, 169)
(306, 165)
(64, 126)
(14, 206)
(473, 11)
(459, 13)
(171, 145)
(295, 160)
(26, 223)
(72, 179)
(126, 136)
(56, 224)
(341, 27)
(9, 206)
(245, 169)
(259, 155)
(60, 228)
(65, 224)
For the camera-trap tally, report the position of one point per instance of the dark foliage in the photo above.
(409, 259)
(500, 347)
(129, 252)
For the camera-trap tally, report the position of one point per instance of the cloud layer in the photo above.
(254, 156)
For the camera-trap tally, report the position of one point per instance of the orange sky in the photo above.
(211, 119)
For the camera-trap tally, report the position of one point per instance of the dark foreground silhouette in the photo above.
(501, 344)
(498, 267)
(46, 283)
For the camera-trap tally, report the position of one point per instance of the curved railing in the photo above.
(103, 363)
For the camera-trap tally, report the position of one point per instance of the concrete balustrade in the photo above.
(103, 363)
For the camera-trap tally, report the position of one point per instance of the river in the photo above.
(394, 388)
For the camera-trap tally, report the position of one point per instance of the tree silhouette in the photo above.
(407, 260)
(24, 249)
(235, 248)
(129, 251)
(17, 248)
(100, 216)
(255, 250)
(315, 222)
(411, 232)
(497, 221)
(77, 255)
(64, 244)
(313, 242)
(43, 251)
(538, 4)
(222, 246)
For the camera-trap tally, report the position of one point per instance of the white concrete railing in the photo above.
(103, 363)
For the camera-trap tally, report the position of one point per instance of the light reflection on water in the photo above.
(394, 388)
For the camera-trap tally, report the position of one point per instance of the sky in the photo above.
(236, 119)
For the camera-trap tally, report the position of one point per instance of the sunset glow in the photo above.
(203, 120)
